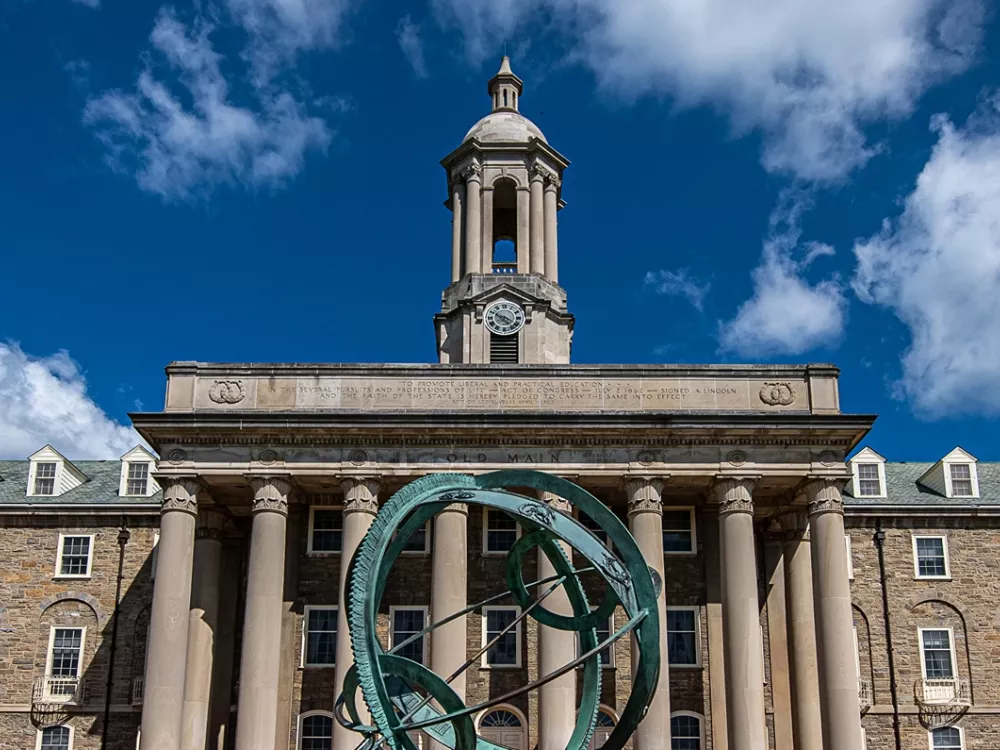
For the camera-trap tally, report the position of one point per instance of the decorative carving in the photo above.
(361, 494)
(825, 495)
(180, 493)
(556, 502)
(270, 493)
(268, 456)
(734, 494)
(827, 458)
(645, 457)
(358, 457)
(227, 391)
(554, 182)
(538, 173)
(777, 394)
(540, 513)
(210, 523)
(615, 569)
(207, 532)
(794, 526)
(458, 495)
(645, 495)
(737, 458)
(472, 172)
(177, 456)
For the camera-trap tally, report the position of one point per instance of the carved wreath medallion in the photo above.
(227, 391)
(777, 394)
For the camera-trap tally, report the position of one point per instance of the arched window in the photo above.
(685, 731)
(55, 738)
(946, 738)
(503, 725)
(602, 730)
(315, 731)
(505, 226)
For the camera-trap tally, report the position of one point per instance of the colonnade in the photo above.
(537, 224)
(826, 711)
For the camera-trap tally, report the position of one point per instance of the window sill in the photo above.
(69, 577)
(424, 553)
(317, 666)
(323, 553)
(688, 553)
(500, 667)
(932, 578)
(685, 666)
(496, 555)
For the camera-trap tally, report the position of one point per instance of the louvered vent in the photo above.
(503, 349)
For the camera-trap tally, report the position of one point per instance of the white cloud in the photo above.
(937, 267)
(808, 75)
(44, 400)
(182, 151)
(786, 314)
(678, 283)
(408, 36)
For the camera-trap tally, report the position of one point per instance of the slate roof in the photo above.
(902, 487)
(101, 487)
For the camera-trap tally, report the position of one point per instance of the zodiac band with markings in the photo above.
(403, 695)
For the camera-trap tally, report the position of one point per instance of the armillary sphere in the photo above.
(403, 695)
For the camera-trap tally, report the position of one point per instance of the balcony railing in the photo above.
(49, 689)
(505, 268)
(864, 695)
(138, 689)
(950, 690)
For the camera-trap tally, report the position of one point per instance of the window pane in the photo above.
(66, 646)
(685, 733)
(75, 556)
(677, 531)
(317, 733)
(137, 478)
(328, 528)
(45, 479)
(501, 531)
(868, 480)
(406, 623)
(930, 556)
(417, 541)
(961, 480)
(321, 637)
(937, 655)
(55, 738)
(504, 651)
(682, 637)
(946, 738)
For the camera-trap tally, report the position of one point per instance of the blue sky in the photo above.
(257, 180)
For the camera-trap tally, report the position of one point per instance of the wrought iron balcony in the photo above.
(952, 691)
(864, 695)
(138, 689)
(49, 689)
(505, 268)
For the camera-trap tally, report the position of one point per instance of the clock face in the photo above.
(504, 318)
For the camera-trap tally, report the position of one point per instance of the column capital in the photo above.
(734, 494)
(270, 492)
(824, 494)
(361, 494)
(645, 494)
(473, 172)
(794, 526)
(537, 173)
(556, 502)
(456, 508)
(210, 523)
(180, 493)
(552, 183)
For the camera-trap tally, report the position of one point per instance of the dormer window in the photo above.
(961, 480)
(869, 481)
(138, 479)
(45, 479)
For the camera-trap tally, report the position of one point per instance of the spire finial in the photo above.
(505, 87)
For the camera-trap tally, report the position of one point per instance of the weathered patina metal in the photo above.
(403, 695)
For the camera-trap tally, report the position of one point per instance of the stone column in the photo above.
(260, 660)
(162, 715)
(360, 507)
(457, 200)
(838, 676)
(487, 219)
(645, 520)
(777, 640)
(556, 699)
(551, 229)
(225, 645)
(523, 230)
(714, 621)
(203, 621)
(537, 221)
(807, 725)
(741, 615)
(473, 219)
(449, 594)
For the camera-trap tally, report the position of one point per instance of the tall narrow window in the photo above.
(138, 479)
(938, 663)
(55, 738)
(45, 479)
(498, 624)
(685, 732)
(869, 481)
(407, 622)
(499, 531)
(505, 97)
(678, 531)
(504, 349)
(65, 656)
(683, 648)
(930, 555)
(74, 556)
(961, 480)
(326, 530)
(316, 732)
(320, 637)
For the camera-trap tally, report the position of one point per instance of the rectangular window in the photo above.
(55, 738)
(64, 660)
(946, 738)
(683, 648)
(419, 542)
(138, 479)
(45, 479)
(869, 482)
(678, 531)
(74, 556)
(961, 480)
(326, 530)
(930, 554)
(938, 662)
(497, 623)
(500, 531)
(407, 622)
(320, 636)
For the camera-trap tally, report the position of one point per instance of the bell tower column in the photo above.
(551, 207)
(457, 202)
(537, 250)
(473, 219)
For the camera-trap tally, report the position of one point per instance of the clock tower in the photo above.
(504, 304)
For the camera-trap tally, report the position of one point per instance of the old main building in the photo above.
(193, 602)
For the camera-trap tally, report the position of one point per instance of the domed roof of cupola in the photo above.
(505, 124)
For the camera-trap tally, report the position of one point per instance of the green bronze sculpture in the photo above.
(403, 695)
